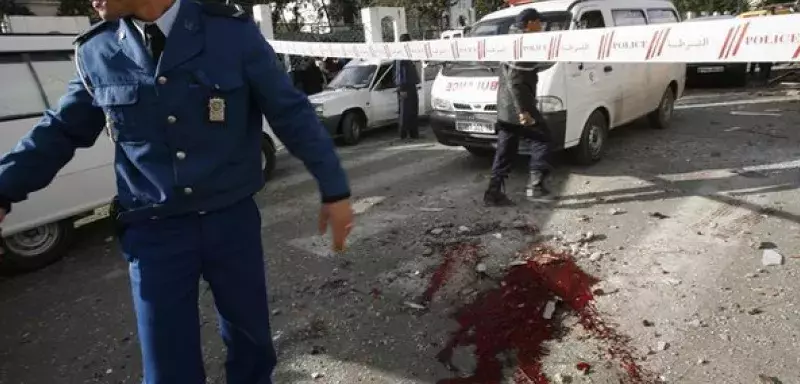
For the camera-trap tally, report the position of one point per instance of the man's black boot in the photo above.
(494, 195)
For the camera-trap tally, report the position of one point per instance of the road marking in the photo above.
(748, 113)
(273, 214)
(764, 100)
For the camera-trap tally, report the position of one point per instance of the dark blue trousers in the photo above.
(409, 114)
(167, 258)
(508, 140)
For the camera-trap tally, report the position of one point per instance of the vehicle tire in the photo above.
(592, 146)
(352, 127)
(661, 118)
(37, 248)
(268, 157)
(480, 151)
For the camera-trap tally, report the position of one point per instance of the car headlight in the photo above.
(318, 108)
(550, 104)
(441, 104)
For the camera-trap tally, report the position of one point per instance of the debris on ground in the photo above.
(414, 305)
(662, 346)
(771, 257)
(561, 378)
(583, 367)
(316, 375)
(764, 379)
(437, 231)
(617, 211)
(767, 245)
(431, 209)
(549, 309)
(509, 317)
(648, 323)
(658, 215)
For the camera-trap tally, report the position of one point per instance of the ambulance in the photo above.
(581, 102)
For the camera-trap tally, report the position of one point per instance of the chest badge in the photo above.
(216, 109)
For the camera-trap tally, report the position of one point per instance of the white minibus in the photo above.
(581, 102)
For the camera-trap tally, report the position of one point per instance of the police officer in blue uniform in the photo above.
(406, 80)
(181, 88)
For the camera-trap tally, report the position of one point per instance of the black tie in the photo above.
(155, 40)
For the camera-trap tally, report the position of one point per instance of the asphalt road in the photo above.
(670, 224)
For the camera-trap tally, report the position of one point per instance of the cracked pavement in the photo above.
(670, 222)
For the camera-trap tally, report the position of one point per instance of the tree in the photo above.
(11, 8)
(76, 8)
(710, 6)
(484, 7)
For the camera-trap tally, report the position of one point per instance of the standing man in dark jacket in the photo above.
(518, 116)
(406, 78)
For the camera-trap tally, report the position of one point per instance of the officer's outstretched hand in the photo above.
(339, 216)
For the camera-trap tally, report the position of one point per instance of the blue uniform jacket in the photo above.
(188, 129)
(406, 77)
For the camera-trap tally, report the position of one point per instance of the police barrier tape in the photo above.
(762, 39)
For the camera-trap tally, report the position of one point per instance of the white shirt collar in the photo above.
(164, 22)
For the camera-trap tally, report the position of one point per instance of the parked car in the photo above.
(363, 96)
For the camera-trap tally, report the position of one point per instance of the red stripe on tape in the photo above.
(741, 38)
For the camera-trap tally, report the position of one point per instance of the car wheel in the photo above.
(592, 146)
(661, 118)
(268, 160)
(480, 151)
(352, 127)
(37, 247)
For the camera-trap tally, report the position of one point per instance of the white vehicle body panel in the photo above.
(625, 91)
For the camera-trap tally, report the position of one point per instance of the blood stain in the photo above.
(454, 256)
(509, 318)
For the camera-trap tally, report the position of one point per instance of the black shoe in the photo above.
(494, 196)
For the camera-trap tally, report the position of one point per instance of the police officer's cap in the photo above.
(527, 15)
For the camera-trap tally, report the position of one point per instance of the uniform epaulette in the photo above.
(87, 34)
(224, 10)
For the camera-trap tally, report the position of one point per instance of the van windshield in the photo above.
(551, 21)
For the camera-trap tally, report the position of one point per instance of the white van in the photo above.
(580, 101)
(363, 96)
(34, 72)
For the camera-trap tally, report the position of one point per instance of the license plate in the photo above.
(474, 127)
(710, 69)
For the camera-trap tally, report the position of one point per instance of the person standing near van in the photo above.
(184, 107)
(406, 79)
(518, 117)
